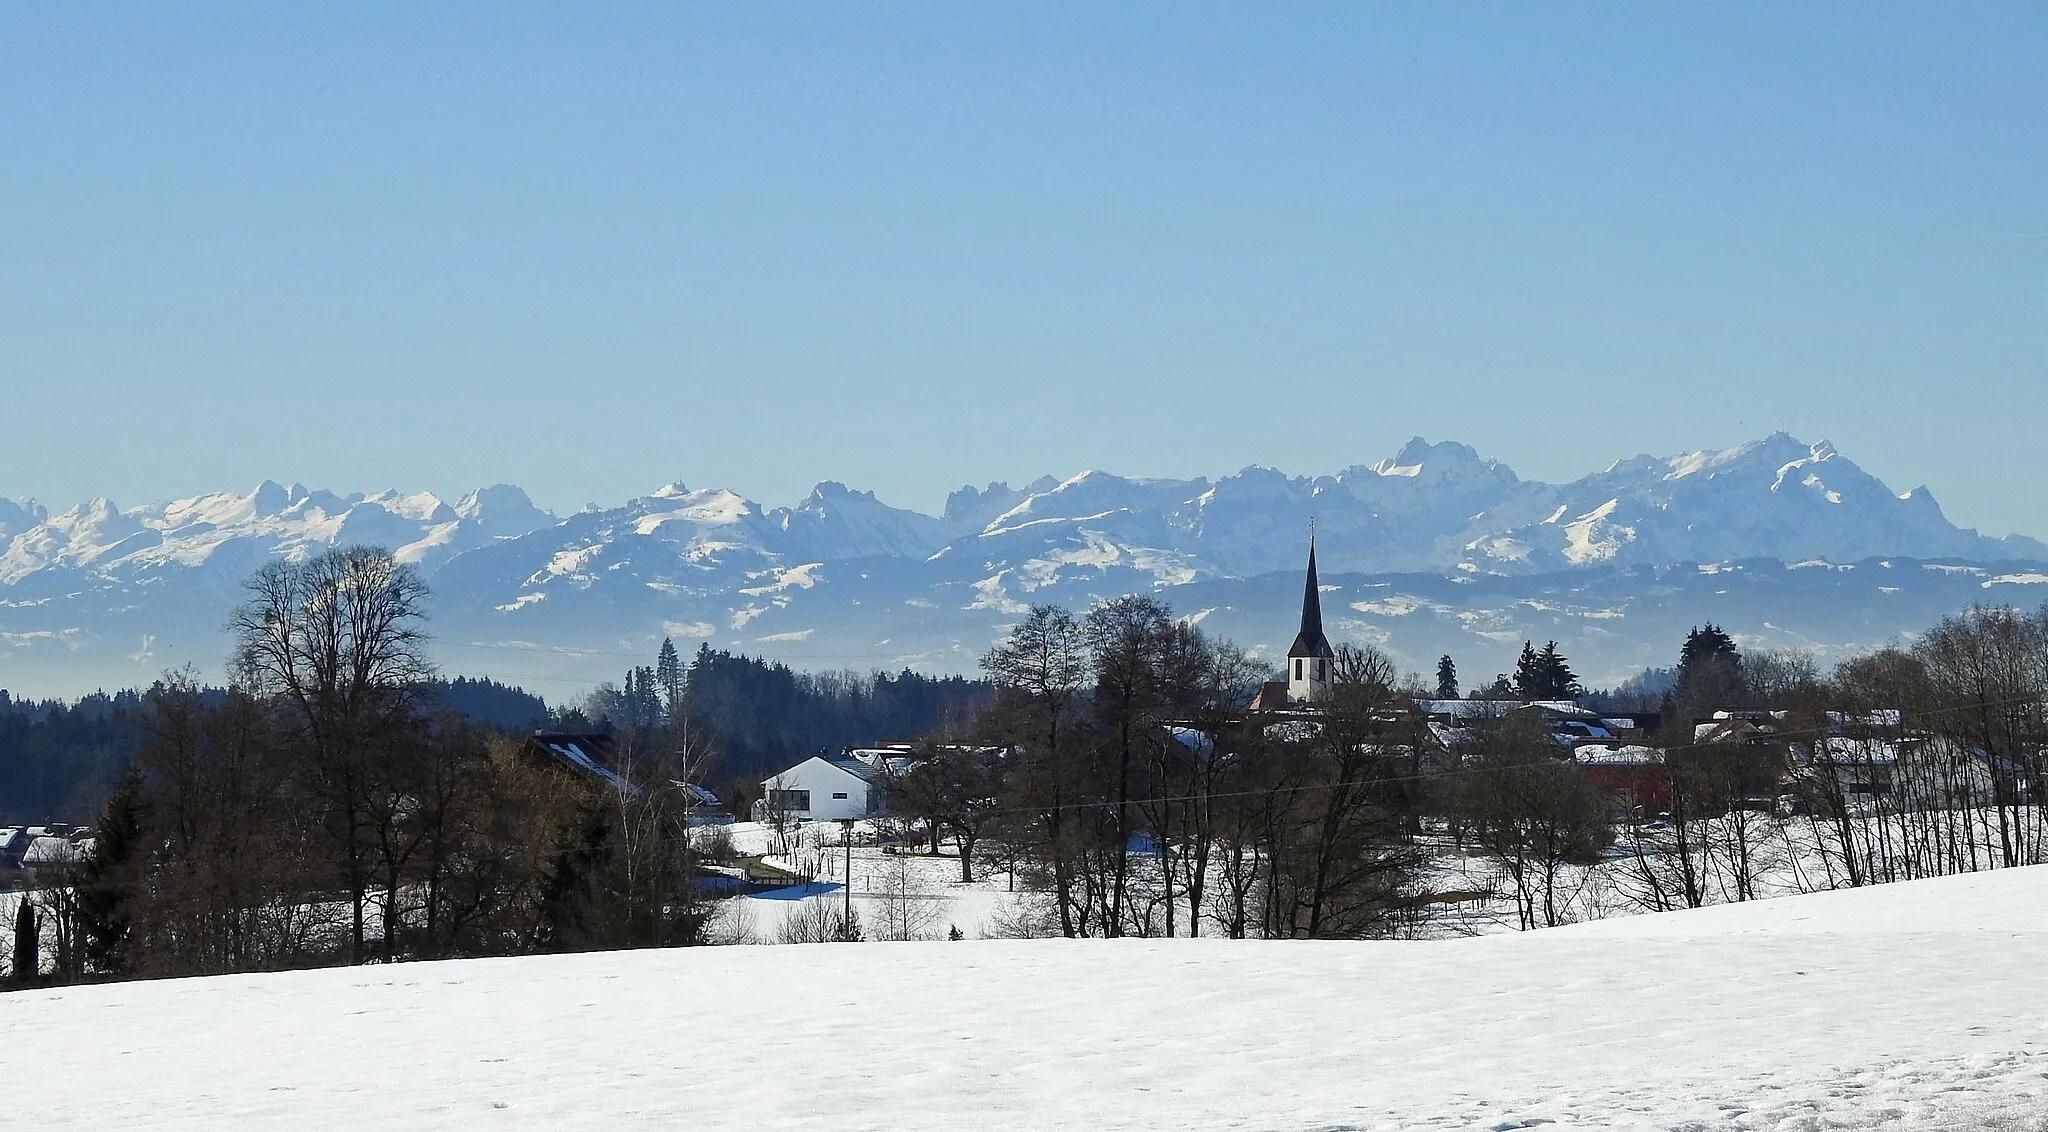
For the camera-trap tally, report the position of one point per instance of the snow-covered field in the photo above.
(1906, 1005)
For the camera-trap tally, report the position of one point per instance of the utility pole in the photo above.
(846, 836)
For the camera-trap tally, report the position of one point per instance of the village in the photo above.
(1727, 804)
(1481, 813)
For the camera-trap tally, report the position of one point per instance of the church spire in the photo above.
(1311, 642)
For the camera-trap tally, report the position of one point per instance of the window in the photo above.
(1297, 668)
(790, 801)
(839, 796)
(1319, 670)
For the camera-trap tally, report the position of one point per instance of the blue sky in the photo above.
(591, 250)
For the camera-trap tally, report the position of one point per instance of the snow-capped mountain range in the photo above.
(1437, 549)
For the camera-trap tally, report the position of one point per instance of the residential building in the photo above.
(838, 787)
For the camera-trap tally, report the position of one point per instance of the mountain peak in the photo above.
(270, 497)
(1421, 459)
(829, 490)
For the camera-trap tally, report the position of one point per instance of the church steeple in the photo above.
(1309, 657)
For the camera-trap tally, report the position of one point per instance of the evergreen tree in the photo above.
(1709, 673)
(107, 883)
(1446, 678)
(668, 674)
(1529, 675)
(1558, 680)
(1544, 675)
(571, 887)
(28, 949)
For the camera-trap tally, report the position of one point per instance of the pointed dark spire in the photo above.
(1311, 641)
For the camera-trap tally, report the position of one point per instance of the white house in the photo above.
(825, 788)
(1912, 772)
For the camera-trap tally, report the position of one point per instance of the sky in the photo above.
(596, 249)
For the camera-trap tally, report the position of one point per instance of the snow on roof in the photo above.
(1882, 717)
(1494, 709)
(1467, 709)
(56, 851)
(578, 753)
(1450, 736)
(1859, 752)
(1632, 754)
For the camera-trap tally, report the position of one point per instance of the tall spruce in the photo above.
(28, 951)
(1446, 678)
(1709, 673)
(1558, 680)
(1529, 674)
(668, 675)
(109, 881)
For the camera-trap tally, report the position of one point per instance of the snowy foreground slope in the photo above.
(1907, 1006)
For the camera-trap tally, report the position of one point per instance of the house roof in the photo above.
(857, 767)
(1272, 696)
(593, 754)
(56, 851)
(1494, 709)
(1844, 750)
(1632, 754)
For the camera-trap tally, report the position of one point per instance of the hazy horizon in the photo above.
(914, 248)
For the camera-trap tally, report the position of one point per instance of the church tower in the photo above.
(1310, 659)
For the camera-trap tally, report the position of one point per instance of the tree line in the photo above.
(761, 716)
(329, 806)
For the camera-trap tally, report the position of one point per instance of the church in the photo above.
(1311, 662)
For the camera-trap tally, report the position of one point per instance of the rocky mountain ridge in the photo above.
(104, 593)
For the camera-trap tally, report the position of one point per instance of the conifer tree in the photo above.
(668, 674)
(1709, 672)
(107, 883)
(28, 949)
(1558, 680)
(1529, 673)
(1446, 678)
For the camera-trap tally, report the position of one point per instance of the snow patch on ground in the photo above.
(990, 594)
(794, 578)
(1394, 605)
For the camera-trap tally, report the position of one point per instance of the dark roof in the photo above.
(1311, 641)
(1272, 697)
(853, 766)
(593, 754)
